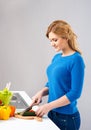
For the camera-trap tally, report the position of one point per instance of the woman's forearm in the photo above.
(44, 91)
(62, 101)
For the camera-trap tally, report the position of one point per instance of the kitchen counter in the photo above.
(16, 123)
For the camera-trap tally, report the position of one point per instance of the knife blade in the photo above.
(27, 109)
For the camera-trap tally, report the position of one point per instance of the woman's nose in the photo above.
(52, 43)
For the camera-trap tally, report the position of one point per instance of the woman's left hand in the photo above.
(42, 110)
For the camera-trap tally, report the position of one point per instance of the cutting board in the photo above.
(28, 117)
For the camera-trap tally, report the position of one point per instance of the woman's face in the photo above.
(57, 42)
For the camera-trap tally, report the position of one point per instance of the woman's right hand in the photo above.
(37, 98)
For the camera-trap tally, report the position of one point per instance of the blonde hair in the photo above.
(64, 30)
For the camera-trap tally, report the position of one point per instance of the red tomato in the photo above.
(31, 110)
(0, 102)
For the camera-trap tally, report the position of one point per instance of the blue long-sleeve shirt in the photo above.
(66, 77)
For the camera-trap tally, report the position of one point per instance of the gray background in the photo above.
(25, 52)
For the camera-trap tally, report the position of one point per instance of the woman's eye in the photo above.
(55, 40)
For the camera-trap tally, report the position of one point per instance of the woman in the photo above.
(65, 78)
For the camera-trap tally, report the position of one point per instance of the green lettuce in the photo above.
(5, 96)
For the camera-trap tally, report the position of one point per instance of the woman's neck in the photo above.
(67, 52)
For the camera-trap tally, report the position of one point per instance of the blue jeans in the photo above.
(65, 122)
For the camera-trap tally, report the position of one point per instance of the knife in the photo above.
(27, 109)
